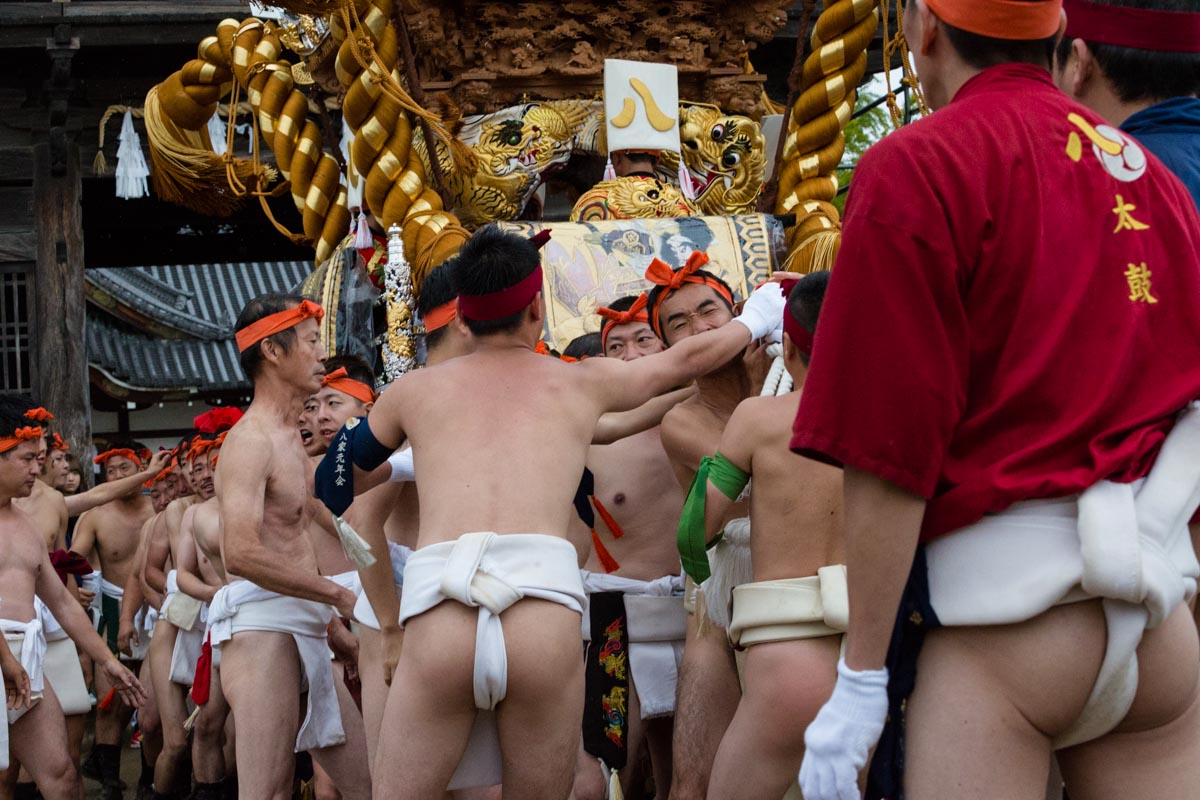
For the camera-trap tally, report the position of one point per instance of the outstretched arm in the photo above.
(617, 425)
(111, 490)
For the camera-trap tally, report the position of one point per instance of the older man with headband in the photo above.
(1031, 482)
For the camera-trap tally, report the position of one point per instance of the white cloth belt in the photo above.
(111, 589)
(347, 580)
(1127, 544)
(91, 582)
(32, 654)
(656, 622)
(491, 572)
(245, 606)
(178, 607)
(364, 614)
(791, 608)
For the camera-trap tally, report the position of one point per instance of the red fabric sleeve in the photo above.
(887, 383)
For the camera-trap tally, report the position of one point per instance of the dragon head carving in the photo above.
(726, 156)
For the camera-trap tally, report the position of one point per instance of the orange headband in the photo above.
(123, 452)
(39, 415)
(162, 476)
(635, 313)
(661, 274)
(57, 443)
(441, 316)
(341, 381)
(1001, 19)
(20, 435)
(272, 324)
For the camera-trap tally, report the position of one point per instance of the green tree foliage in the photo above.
(864, 130)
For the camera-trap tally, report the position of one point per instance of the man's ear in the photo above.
(929, 29)
(539, 307)
(368, 406)
(271, 351)
(1082, 65)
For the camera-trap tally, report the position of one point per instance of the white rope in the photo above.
(778, 382)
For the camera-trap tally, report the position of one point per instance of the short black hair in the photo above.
(805, 301)
(657, 292)
(436, 290)
(982, 52)
(357, 368)
(12, 415)
(585, 346)
(1143, 74)
(264, 306)
(491, 261)
(623, 303)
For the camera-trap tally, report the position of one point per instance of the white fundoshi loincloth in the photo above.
(61, 668)
(490, 572)
(656, 622)
(28, 644)
(244, 606)
(1127, 544)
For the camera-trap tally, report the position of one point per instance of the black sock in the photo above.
(108, 758)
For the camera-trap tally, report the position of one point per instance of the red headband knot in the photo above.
(660, 273)
(57, 443)
(122, 452)
(1137, 28)
(1001, 19)
(340, 380)
(440, 317)
(504, 303)
(275, 323)
(635, 313)
(25, 434)
(39, 415)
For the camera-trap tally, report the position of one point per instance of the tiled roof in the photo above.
(197, 303)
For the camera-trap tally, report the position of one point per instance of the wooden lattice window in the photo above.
(16, 344)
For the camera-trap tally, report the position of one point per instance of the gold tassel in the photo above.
(614, 787)
(190, 722)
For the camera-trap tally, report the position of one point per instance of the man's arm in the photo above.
(85, 535)
(737, 446)
(367, 516)
(131, 603)
(111, 490)
(77, 625)
(188, 568)
(883, 525)
(158, 549)
(617, 425)
(241, 490)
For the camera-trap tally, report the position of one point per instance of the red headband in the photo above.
(339, 380)
(1139, 28)
(802, 339)
(217, 419)
(1001, 19)
(635, 313)
(20, 435)
(272, 324)
(660, 273)
(123, 452)
(441, 316)
(57, 443)
(504, 303)
(39, 415)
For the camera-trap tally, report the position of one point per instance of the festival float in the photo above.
(399, 126)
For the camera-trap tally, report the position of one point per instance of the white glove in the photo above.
(845, 730)
(401, 462)
(762, 313)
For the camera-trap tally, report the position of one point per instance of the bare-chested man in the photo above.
(113, 529)
(179, 616)
(269, 621)
(789, 620)
(200, 574)
(682, 304)
(509, 466)
(637, 501)
(39, 734)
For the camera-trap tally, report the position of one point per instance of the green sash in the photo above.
(691, 536)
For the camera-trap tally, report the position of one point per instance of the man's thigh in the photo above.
(38, 740)
(705, 703)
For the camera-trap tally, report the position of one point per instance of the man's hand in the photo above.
(757, 364)
(126, 634)
(392, 641)
(762, 313)
(345, 602)
(343, 644)
(158, 462)
(840, 738)
(16, 684)
(86, 597)
(132, 693)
